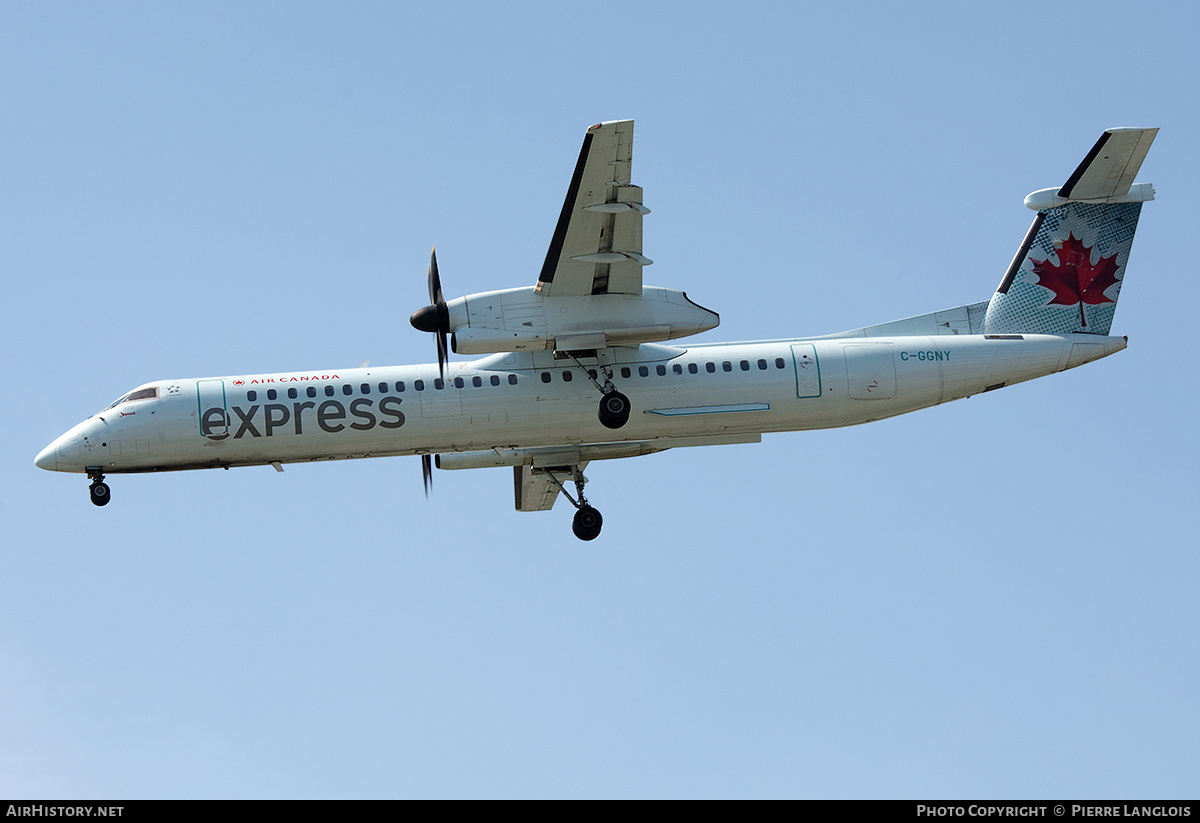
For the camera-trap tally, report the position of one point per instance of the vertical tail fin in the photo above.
(1067, 273)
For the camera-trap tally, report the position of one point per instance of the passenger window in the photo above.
(419, 385)
(678, 369)
(271, 394)
(762, 364)
(329, 391)
(495, 380)
(347, 389)
(439, 383)
(476, 381)
(779, 362)
(292, 393)
(567, 378)
(662, 370)
(383, 388)
(365, 388)
(625, 371)
(512, 379)
(311, 391)
(545, 377)
(727, 366)
(693, 368)
(643, 371)
(458, 383)
(399, 385)
(745, 365)
(252, 395)
(710, 367)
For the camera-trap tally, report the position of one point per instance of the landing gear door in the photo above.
(213, 417)
(808, 371)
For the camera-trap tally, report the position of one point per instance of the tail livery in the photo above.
(1067, 274)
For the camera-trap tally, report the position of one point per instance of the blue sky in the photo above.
(993, 598)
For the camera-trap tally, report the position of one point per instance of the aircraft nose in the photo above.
(62, 455)
(48, 457)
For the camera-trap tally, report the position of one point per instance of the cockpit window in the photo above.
(140, 394)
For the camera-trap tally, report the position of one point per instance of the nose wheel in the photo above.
(99, 490)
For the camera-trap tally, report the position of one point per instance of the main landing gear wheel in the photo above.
(614, 410)
(99, 492)
(587, 523)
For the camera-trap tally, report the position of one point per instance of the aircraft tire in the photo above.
(587, 523)
(614, 410)
(99, 493)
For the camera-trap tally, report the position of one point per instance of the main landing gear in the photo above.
(614, 406)
(99, 489)
(614, 409)
(587, 521)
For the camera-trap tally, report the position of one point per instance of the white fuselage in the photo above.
(532, 400)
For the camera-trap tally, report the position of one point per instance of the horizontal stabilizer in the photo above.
(1111, 165)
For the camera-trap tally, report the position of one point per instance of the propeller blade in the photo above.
(427, 473)
(435, 318)
(443, 354)
(435, 282)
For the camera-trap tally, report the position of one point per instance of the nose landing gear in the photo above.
(99, 489)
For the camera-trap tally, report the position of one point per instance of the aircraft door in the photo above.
(871, 371)
(808, 370)
(212, 418)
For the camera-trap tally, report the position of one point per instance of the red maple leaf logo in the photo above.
(1075, 279)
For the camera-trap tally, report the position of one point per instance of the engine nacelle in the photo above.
(523, 320)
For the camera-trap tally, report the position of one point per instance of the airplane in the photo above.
(585, 365)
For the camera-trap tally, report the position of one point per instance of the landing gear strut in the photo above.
(99, 489)
(614, 406)
(587, 521)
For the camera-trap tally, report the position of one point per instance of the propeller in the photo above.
(434, 318)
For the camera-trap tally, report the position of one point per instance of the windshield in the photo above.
(141, 394)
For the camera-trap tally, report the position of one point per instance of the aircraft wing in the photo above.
(597, 244)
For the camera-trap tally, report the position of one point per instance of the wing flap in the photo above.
(536, 489)
(535, 492)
